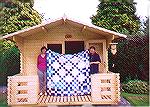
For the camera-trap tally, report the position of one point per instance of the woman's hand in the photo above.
(91, 63)
(97, 62)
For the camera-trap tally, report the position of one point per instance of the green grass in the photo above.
(3, 100)
(136, 99)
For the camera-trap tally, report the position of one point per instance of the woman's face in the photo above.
(43, 51)
(92, 51)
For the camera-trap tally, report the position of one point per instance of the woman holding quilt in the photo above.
(41, 65)
(94, 61)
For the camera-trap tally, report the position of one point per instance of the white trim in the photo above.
(113, 43)
(74, 40)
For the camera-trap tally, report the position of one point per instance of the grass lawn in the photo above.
(3, 100)
(136, 99)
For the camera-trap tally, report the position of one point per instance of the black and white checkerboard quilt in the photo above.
(68, 75)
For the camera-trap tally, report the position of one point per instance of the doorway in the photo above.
(72, 47)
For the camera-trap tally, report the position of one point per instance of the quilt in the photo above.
(67, 74)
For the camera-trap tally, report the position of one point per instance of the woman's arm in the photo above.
(97, 62)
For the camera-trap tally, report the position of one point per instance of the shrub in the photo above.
(131, 59)
(9, 60)
(136, 87)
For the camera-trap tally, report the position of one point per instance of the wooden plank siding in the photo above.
(30, 45)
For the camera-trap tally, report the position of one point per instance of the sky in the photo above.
(80, 10)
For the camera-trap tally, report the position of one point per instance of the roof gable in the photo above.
(64, 20)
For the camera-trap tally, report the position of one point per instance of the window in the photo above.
(55, 47)
(72, 47)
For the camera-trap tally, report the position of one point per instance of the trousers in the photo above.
(42, 80)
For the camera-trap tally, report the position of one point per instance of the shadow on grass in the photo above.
(3, 100)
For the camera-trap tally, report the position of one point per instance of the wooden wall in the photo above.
(33, 43)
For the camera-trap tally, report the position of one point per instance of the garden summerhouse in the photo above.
(63, 35)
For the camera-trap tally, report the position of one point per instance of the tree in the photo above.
(9, 60)
(146, 27)
(117, 15)
(131, 59)
(16, 15)
(31, 2)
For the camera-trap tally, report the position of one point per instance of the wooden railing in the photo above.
(22, 89)
(105, 89)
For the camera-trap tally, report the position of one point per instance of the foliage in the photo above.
(131, 59)
(136, 87)
(117, 15)
(31, 2)
(17, 16)
(136, 99)
(9, 60)
(146, 27)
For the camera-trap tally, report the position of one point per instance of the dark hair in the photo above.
(43, 48)
(92, 47)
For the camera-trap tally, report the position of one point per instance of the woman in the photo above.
(41, 65)
(94, 61)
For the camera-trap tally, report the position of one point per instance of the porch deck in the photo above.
(66, 100)
(24, 90)
(44, 100)
(69, 100)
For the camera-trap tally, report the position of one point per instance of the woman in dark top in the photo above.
(94, 61)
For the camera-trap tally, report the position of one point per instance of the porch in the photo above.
(24, 90)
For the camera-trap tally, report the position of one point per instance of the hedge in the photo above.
(131, 59)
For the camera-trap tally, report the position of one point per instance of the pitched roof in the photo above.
(66, 20)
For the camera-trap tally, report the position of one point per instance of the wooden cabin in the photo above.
(65, 36)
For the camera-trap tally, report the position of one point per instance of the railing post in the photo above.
(105, 88)
(22, 89)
